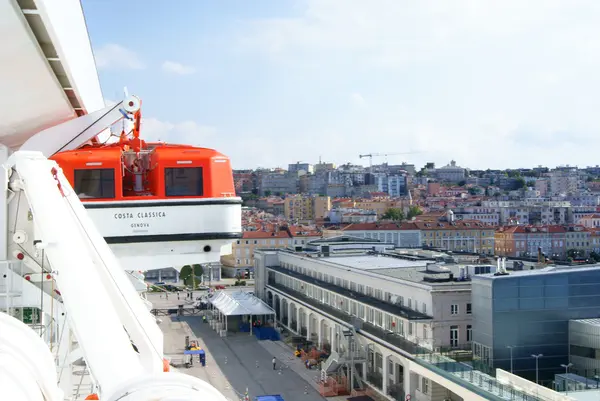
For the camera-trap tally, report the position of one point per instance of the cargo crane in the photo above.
(372, 155)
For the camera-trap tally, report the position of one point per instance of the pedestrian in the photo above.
(274, 363)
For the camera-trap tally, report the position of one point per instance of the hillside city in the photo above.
(521, 213)
(489, 275)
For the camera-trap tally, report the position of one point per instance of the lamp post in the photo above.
(537, 358)
(566, 378)
(510, 347)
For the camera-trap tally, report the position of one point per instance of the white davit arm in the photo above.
(77, 255)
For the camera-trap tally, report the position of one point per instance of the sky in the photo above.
(489, 84)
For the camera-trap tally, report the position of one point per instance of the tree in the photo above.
(186, 273)
(462, 183)
(267, 193)
(414, 211)
(393, 213)
(520, 183)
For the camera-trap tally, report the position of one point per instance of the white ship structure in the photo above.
(54, 253)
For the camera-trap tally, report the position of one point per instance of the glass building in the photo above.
(527, 313)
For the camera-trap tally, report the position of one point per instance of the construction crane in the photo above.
(371, 155)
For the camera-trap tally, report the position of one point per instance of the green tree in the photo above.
(393, 213)
(186, 275)
(267, 193)
(198, 271)
(521, 182)
(414, 211)
(462, 183)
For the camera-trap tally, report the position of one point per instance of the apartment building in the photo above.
(486, 215)
(554, 241)
(278, 183)
(532, 211)
(380, 206)
(351, 215)
(590, 220)
(451, 173)
(563, 181)
(456, 235)
(399, 306)
(306, 208)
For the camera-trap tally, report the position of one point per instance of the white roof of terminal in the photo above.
(593, 322)
(536, 272)
(371, 262)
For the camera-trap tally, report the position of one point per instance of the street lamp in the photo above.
(537, 358)
(510, 347)
(566, 378)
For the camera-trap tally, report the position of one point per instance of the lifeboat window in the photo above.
(95, 183)
(184, 181)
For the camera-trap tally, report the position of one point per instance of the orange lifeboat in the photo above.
(157, 205)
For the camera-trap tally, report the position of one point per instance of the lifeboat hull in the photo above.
(155, 234)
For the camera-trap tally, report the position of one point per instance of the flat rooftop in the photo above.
(409, 270)
(373, 262)
(539, 272)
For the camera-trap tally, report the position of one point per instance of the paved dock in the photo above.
(239, 362)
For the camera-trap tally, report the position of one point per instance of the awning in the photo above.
(240, 303)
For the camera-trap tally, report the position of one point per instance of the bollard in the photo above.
(305, 389)
(225, 360)
(279, 370)
(256, 364)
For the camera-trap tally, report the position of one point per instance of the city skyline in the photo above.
(491, 85)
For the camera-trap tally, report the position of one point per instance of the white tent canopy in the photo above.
(240, 303)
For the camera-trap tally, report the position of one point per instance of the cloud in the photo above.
(114, 56)
(489, 84)
(184, 132)
(177, 68)
(358, 100)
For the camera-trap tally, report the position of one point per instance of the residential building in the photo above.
(351, 215)
(451, 173)
(525, 241)
(590, 220)
(487, 215)
(300, 168)
(531, 211)
(456, 235)
(243, 181)
(278, 183)
(306, 208)
(393, 185)
(563, 181)
(380, 206)
(527, 313)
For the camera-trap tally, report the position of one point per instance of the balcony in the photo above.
(368, 328)
(392, 309)
(444, 361)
